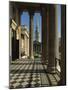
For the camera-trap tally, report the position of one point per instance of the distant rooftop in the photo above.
(24, 27)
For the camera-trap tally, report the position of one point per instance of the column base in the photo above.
(44, 60)
(20, 57)
(31, 57)
(51, 70)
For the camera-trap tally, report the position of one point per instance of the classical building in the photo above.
(19, 41)
(25, 42)
(37, 34)
(49, 21)
(14, 42)
(37, 48)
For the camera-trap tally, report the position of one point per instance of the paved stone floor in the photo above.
(30, 73)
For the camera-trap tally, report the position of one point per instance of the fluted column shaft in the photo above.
(51, 62)
(44, 34)
(63, 38)
(20, 42)
(31, 36)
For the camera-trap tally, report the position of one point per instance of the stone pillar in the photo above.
(57, 37)
(36, 48)
(10, 44)
(25, 44)
(51, 61)
(44, 34)
(10, 10)
(31, 36)
(63, 45)
(20, 42)
(17, 16)
(47, 34)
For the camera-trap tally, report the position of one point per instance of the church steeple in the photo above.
(37, 31)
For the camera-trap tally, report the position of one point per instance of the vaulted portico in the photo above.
(48, 36)
(49, 31)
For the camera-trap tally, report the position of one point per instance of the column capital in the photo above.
(20, 12)
(31, 13)
(43, 11)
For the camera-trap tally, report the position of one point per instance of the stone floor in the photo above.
(31, 73)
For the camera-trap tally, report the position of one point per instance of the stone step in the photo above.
(52, 80)
(44, 79)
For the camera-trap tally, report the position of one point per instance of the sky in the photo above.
(37, 17)
(59, 19)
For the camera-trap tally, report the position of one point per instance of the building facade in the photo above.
(19, 41)
(49, 33)
(25, 42)
(37, 47)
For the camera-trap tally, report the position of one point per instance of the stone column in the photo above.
(63, 45)
(10, 44)
(20, 42)
(17, 16)
(51, 61)
(47, 34)
(36, 49)
(11, 10)
(44, 35)
(25, 44)
(57, 37)
(31, 36)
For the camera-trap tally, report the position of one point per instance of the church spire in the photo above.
(37, 30)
